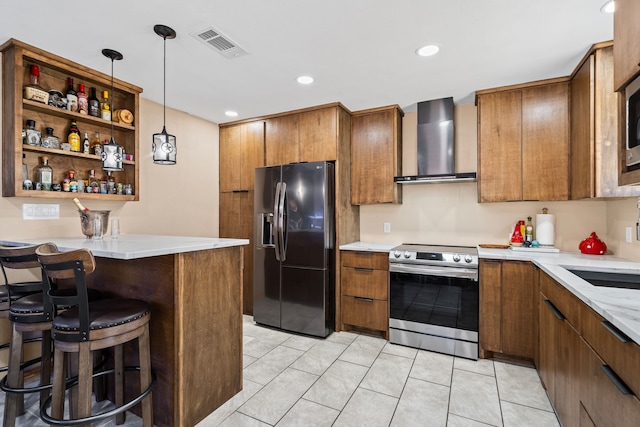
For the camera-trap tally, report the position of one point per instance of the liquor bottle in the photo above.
(83, 101)
(79, 205)
(86, 145)
(94, 185)
(50, 140)
(73, 182)
(72, 96)
(44, 174)
(105, 110)
(96, 145)
(33, 136)
(103, 185)
(111, 183)
(529, 230)
(73, 137)
(94, 104)
(33, 91)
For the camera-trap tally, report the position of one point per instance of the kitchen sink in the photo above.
(608, 279)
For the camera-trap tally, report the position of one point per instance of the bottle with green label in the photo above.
(44, 174)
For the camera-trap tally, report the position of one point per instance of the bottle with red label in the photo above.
(83, 100)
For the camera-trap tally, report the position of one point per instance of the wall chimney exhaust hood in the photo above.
(436, 145)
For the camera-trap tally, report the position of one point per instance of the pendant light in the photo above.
(164, 144)
(112, 152)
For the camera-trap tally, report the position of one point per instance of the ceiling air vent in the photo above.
(218, 41)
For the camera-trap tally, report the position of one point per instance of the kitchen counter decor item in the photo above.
(593, 245)
(545, 228)
(516, 237)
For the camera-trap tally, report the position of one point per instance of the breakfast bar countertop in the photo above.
(133, 246)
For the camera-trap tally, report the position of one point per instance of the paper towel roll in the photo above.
(545, 228)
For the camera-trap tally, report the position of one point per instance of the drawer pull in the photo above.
(554, 310)
(363, 299)
(615, 331)
(368, 270)
(615, 379)
(239, 191)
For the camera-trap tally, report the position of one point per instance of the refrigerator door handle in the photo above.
(276, 223)
(281, 225)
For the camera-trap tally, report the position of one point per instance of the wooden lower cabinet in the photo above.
(507, 303)
(236, 221)
(575, 362)
(365, 291)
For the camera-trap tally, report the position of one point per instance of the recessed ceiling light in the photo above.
(305, 80)
(231, 113)
(428, 50)
(608, 7)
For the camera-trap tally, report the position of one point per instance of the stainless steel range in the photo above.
(434, 296)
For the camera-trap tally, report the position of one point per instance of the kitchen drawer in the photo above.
(568, 304)
(374, 260)
(605, 403)
(365, 282)
(365, 313)
(623, 357)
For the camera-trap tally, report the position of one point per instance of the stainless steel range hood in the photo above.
(436, 160)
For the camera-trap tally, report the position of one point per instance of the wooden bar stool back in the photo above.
(28, 312)
(93, 325)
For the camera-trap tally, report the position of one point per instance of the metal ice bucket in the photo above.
(87, 221)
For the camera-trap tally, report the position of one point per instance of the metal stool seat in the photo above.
(91, 326)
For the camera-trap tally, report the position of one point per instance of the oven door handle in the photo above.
(466, 273)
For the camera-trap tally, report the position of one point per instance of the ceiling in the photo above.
(360, 52)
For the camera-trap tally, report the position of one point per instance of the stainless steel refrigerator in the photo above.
(293, 287)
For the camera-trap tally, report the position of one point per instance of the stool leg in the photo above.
(85, 380)
(58, 390)
(145, 376)
(45, 364)
(99, 383)
(118, 358)
(12, 406)
(72, 360)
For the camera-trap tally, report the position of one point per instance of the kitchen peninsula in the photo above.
(194, 286)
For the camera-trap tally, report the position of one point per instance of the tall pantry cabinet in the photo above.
(241, 151)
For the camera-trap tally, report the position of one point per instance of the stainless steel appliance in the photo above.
(293, 286)
(434, 297)
(632, 98)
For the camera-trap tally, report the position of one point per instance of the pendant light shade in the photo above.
(164, 144)
(112, 152)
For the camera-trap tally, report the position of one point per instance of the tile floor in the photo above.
(357, 380)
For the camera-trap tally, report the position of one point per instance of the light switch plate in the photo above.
(387, 227)
(628, 235)
(40, 211)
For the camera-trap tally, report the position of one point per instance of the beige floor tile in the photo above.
(367, 408)
(247, 360)
(240, 420)
(433, 367)
(515, 415)
(271, 365)
(475, 396)
(458, 421)
(422, 404)
(226, 409)
(308, 414)
(480, 366)
(319, 357)
(363, 350)
(388, 374)
(336, 385)
(518, 384)
(300, 342)
(400, 350)
(274, 400)
(342, 337)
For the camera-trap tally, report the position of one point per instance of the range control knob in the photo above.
(456, 257)
(396, 254)
(468, 258)
(407, 254)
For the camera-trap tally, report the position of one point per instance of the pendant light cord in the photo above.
(164, 96)
(111, 101)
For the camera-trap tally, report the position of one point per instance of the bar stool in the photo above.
(92, 326)
(27, 313)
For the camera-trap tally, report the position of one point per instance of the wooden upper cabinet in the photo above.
(545, 142)
(594, 128)
(523, 142)
(317, 135)
(376, 155)
(241, 151)
(499, 146)
(281, 140)
(626, 36)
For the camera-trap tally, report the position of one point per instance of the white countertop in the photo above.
(131, 246)
(368, 246)
(619, 306)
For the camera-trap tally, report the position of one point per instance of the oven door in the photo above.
(435, 309)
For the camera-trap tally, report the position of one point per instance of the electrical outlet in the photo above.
(387, 227)
(628, 234)
(40, 211)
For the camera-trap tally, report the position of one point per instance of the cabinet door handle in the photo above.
(616, 380)
(491, 262)
(554, 310)
(239, 191)
(364, 299)
(615, 331)
(368, 270)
